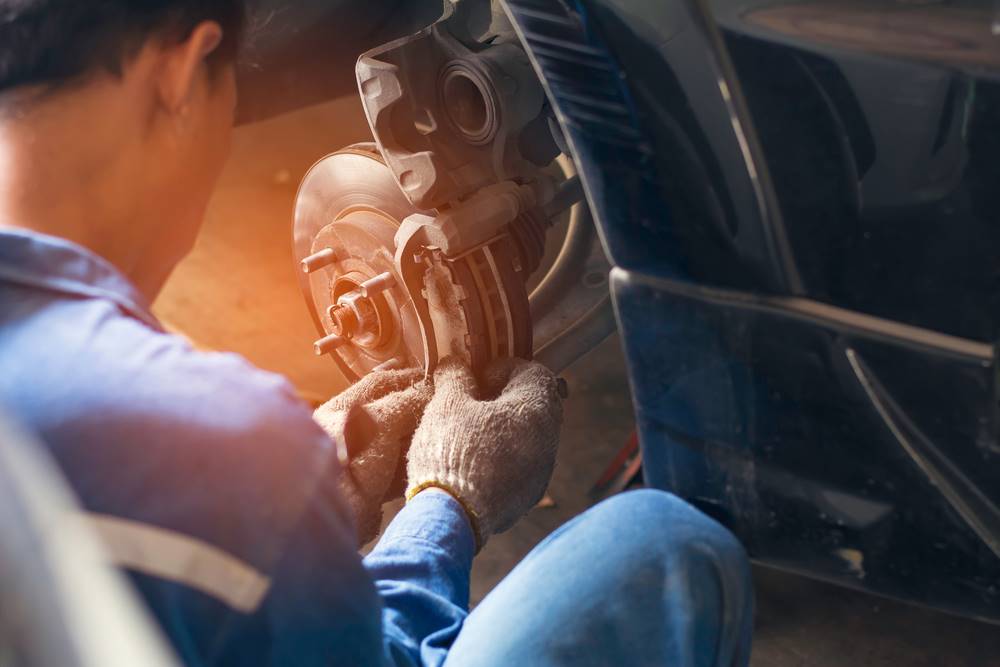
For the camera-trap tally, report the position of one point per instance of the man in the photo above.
(211, 484)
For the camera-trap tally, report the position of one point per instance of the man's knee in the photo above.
(661, 525)
(681, 563)
(642, 576)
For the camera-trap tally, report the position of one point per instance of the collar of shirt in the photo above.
(55, 264)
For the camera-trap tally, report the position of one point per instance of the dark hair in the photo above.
(54, 41)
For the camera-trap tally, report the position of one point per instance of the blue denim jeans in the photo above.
(641, 579)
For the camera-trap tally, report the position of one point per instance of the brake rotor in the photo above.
(347, 212)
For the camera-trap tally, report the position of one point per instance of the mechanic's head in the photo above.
(115, 120)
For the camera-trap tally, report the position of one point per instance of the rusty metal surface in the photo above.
(472, 303)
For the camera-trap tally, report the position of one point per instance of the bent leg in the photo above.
(641, 579)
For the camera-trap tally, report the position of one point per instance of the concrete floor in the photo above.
(237, 291)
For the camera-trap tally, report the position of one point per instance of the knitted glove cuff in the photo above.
(474, 519)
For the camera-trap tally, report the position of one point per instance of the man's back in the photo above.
(197, 468)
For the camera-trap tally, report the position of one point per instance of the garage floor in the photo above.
(237, 292)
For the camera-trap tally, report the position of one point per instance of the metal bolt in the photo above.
(343, 320)
(328, 344)
(318, 260)
(379, 283)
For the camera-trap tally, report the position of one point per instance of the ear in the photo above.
(181, 65)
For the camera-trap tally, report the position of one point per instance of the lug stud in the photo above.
(379, 283)
(328, 344)
(318, 260)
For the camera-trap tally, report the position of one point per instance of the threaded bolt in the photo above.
(379, 283)
(318, 260)
(343, 319)
(328, 344)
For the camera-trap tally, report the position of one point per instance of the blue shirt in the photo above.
(212, 485)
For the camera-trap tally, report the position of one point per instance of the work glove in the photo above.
(492, 448)
(371, 423)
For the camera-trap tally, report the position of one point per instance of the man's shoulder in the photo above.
(147, 428)
(163, 375)
(90, 367)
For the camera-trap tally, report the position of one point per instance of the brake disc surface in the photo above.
(347, 212)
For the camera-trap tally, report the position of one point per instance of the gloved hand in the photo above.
(371, 422)
(493, 450)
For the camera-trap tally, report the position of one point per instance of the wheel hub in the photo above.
(348, 212)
